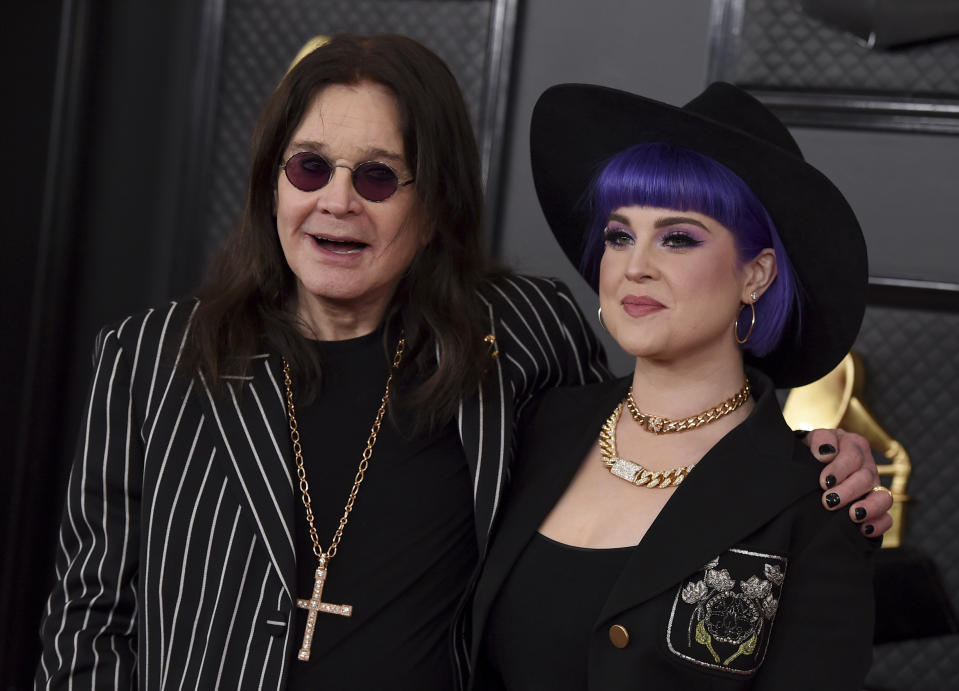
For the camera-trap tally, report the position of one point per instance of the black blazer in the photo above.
(175, 560)
(753, 504)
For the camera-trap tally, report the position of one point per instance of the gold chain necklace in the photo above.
(664, 425)
(315, 602)
(634, 472)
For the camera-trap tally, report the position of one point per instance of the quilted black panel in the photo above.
(912, 387)
(777, 46)
(259, 40)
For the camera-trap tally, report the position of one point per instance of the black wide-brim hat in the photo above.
(577, 128)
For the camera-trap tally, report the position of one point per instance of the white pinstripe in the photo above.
(539, 320)
(203, 581)
(529, 328)
(596, 373)
(287, 644)
(163, 561)
(236, 608)
(529, 354)
(276, 447)
(259, 608)
(276, 387)
(219, 588)
(83, 514)
(479, 447)
(170, 380)
(103, 477)
(189, 538)
(156, 361)
(502, 447)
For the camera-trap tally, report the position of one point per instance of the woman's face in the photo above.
(348, 252)
(671, 284)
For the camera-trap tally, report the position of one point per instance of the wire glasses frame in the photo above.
(375, 181)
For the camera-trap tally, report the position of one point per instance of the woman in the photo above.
(662, 531)
(291, 480)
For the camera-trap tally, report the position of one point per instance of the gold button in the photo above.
(619, 636)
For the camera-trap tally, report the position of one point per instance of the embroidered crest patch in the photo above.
(722, 616)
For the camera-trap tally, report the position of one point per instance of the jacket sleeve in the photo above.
(823, 633)
(88, 632)
(584, 355)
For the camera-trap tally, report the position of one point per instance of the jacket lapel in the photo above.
(486, 426)
(738, 486)
(250, 426)
(561, 436)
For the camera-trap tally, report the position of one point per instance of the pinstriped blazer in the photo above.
(175, 563)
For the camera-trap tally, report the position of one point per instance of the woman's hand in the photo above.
(849, 476)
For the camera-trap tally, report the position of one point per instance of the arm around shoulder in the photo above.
(585, 357)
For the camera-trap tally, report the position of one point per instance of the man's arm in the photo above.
(586, 359)
(89, 626)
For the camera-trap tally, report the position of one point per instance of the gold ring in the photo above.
(880, 488)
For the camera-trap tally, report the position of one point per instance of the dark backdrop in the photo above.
(93, 128)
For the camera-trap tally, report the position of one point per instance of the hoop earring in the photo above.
(599, 313)
(752, 322)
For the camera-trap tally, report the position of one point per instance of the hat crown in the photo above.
(733, 107)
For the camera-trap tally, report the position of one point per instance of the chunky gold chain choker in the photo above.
(638, 474)
(665, 425)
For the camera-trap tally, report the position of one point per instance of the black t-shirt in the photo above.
(539, 628)
(409, 546)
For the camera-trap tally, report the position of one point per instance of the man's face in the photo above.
(348, 253)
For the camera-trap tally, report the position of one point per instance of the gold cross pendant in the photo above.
(315, 604)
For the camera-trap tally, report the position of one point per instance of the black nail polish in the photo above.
(800, 433)
(826, 449)
(869, 530)
(830, 481)
(832, 500)
(860, 513)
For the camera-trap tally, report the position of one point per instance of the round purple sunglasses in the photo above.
(373, 180)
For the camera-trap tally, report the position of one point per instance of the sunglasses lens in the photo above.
(375, 181)
(308, 171)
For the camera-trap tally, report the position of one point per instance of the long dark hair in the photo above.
(248, 301)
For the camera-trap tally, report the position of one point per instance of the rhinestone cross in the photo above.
(315, 604)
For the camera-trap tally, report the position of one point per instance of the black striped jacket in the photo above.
(175, 561)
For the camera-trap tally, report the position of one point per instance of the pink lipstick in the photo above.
(640, 305)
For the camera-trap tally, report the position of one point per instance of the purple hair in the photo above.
(668, 176)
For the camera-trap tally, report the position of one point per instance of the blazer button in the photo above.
(276, 623)
(619, 636)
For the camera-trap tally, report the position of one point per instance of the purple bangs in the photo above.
(671, 177)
